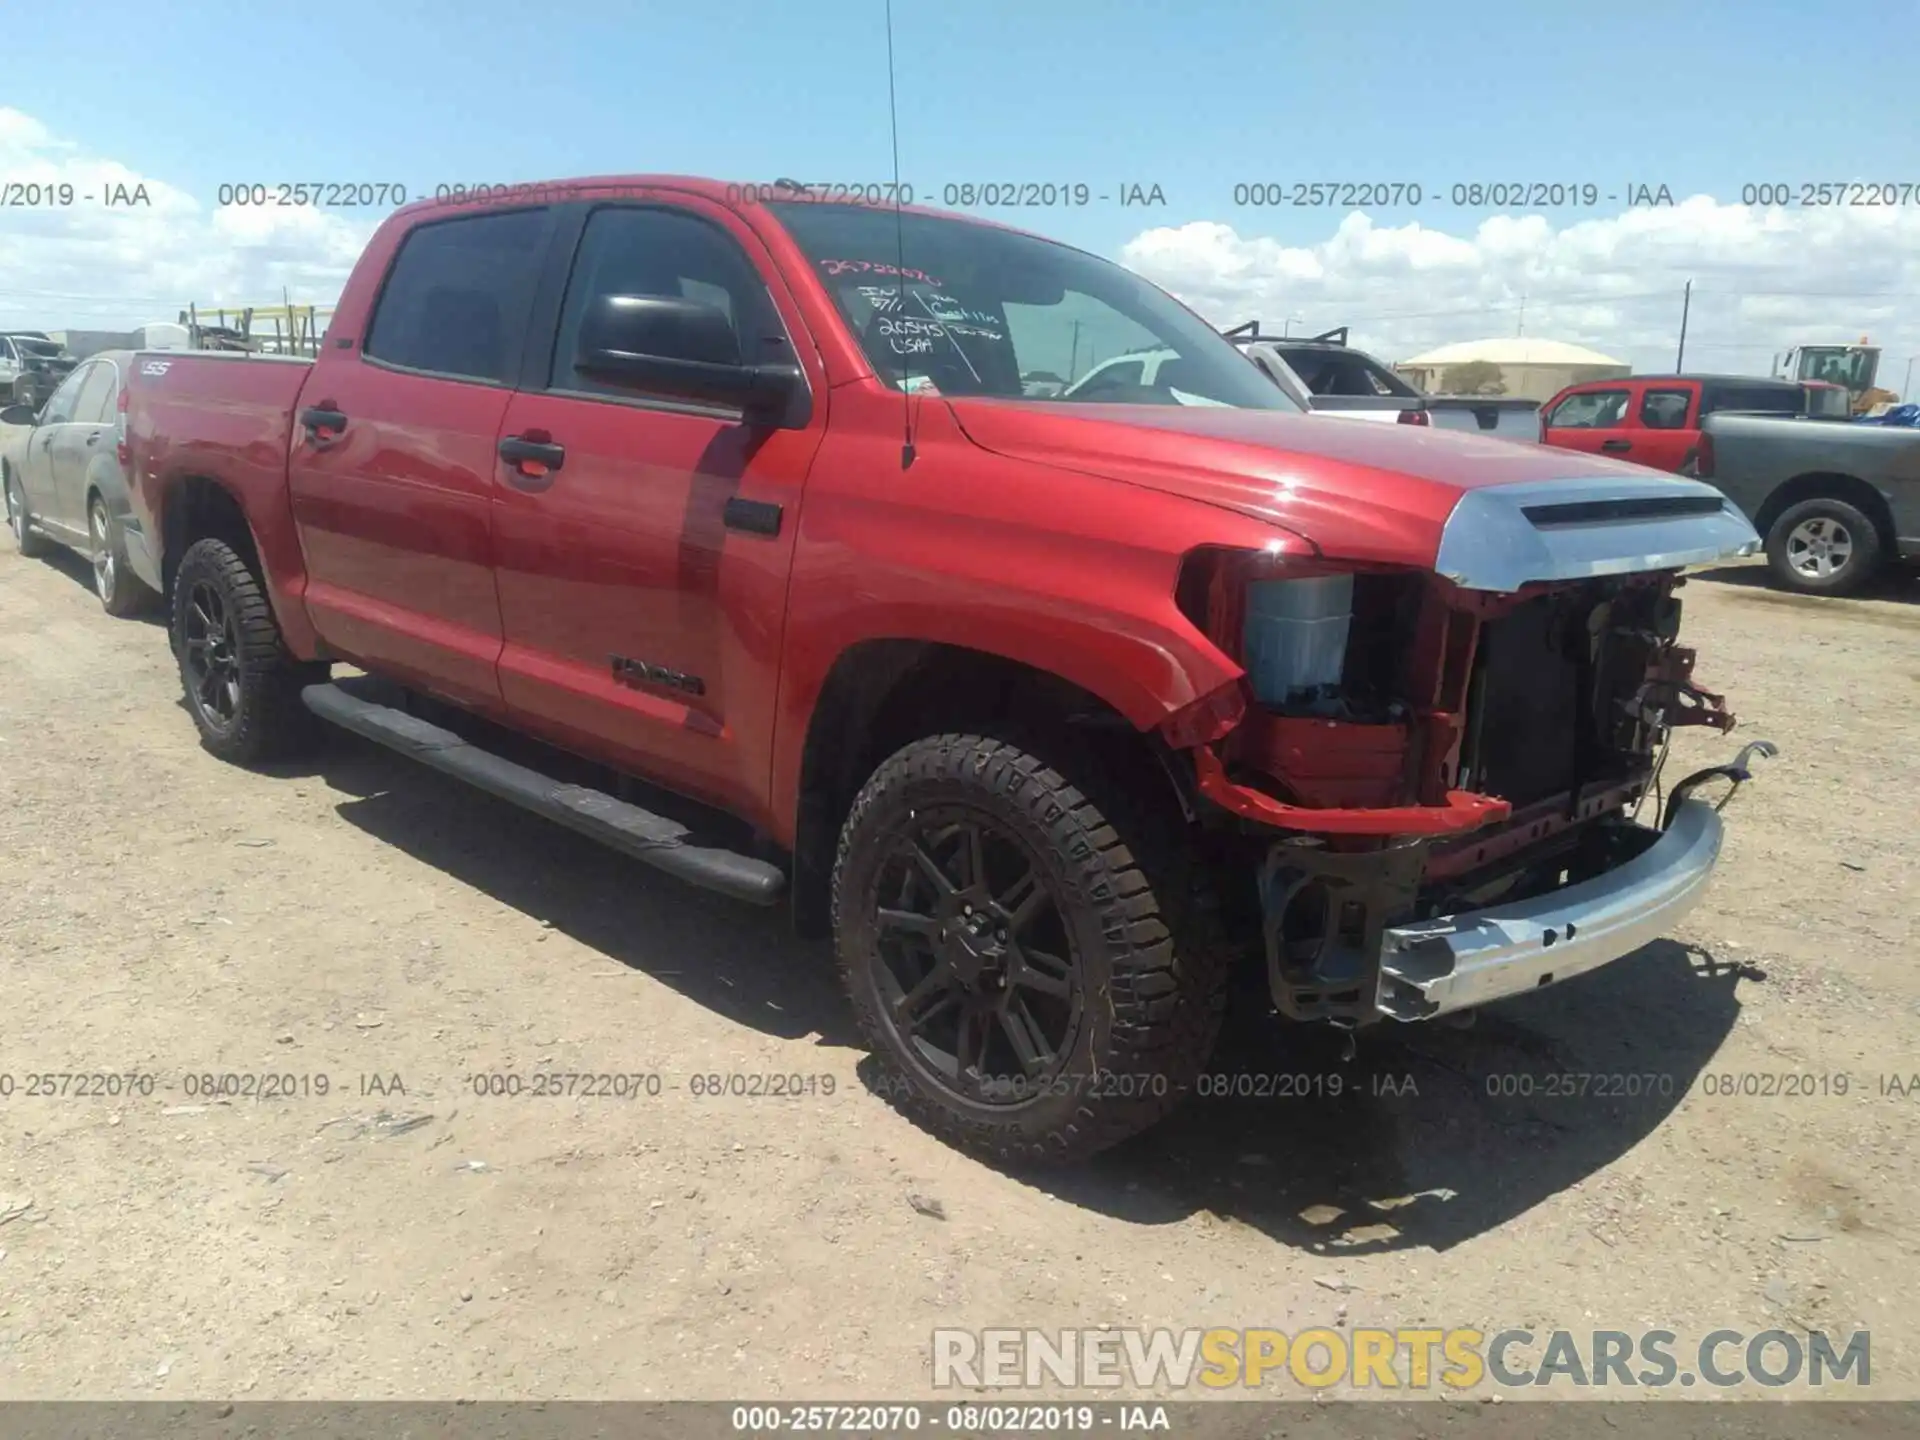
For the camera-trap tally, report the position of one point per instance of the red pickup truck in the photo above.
(1049, 710)
(1654, 420)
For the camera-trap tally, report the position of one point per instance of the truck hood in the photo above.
(1371, 493)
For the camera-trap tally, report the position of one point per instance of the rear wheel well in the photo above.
(202, 509)
(882, 695)
(1820, 486)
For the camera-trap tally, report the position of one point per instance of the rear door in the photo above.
(1595, 418)
(1669, 431)
(643, 580)
(45, 450)
(81, 438)
(393, 456)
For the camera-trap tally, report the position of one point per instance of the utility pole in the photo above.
(1073, 361)
(1521, 329)
(1906, 386)
(1686, 304)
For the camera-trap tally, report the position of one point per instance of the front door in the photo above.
(643, 577)
(1594, 421)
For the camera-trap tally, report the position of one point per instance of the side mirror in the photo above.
(672, 346)
(19, 415)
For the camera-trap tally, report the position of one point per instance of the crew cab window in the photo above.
(1589, 410)
(1665, 409)
(633, 250)
(60, 406)
(94, 406)
(456, 300)
(1331, 372)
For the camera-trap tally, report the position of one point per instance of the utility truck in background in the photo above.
(1052, 710)
(1853, 367)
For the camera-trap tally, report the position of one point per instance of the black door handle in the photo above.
(93, 437)
(518, 451)
(756, 517)
(1616, 445)
(320, 417)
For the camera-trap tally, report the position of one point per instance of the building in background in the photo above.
(1522, 367)
(160, 335)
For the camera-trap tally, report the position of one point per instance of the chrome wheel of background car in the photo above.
(16, 510)
(975, 966)
(98, 532)
(1819, 547)
(212, 655)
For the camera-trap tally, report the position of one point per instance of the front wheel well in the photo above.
(1820, 485)
(882, 695)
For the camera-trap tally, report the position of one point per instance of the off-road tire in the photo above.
(268, 722)
(122, 593)
(27, 540)
(1150, 957)
(1862, 562)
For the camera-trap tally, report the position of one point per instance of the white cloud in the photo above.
(1763, 279)
(91, 265)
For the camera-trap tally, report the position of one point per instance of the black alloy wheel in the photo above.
(1034, 959)
(974, 961)
(210, 656)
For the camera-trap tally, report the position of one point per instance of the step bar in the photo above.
(649, 838)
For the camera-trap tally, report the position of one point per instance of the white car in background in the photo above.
(1330, 377)
(1139, 369)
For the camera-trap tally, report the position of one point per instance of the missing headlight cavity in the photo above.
(1334, 647)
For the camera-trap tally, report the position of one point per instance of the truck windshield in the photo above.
(1838, 365)
(956, 308)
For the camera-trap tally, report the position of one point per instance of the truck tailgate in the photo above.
(1500, 419)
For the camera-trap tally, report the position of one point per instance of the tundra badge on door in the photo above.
(642, 672)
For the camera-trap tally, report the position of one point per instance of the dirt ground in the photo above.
(363, 920)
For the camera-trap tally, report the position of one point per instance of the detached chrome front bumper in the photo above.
(1434, 967)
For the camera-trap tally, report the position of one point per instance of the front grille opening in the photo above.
(1527, 719)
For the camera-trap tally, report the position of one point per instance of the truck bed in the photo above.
(208, 415)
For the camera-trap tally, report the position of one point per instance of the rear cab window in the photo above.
(456, 300)
(1343, 373)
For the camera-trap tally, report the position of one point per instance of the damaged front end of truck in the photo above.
(1435, 777)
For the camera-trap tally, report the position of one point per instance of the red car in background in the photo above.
(1654, 420)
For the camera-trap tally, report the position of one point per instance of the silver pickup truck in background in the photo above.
(1330, 377)
(1836, 501)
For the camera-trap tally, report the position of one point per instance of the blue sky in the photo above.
(1194, 97)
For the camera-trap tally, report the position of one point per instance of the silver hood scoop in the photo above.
(1502, 537)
